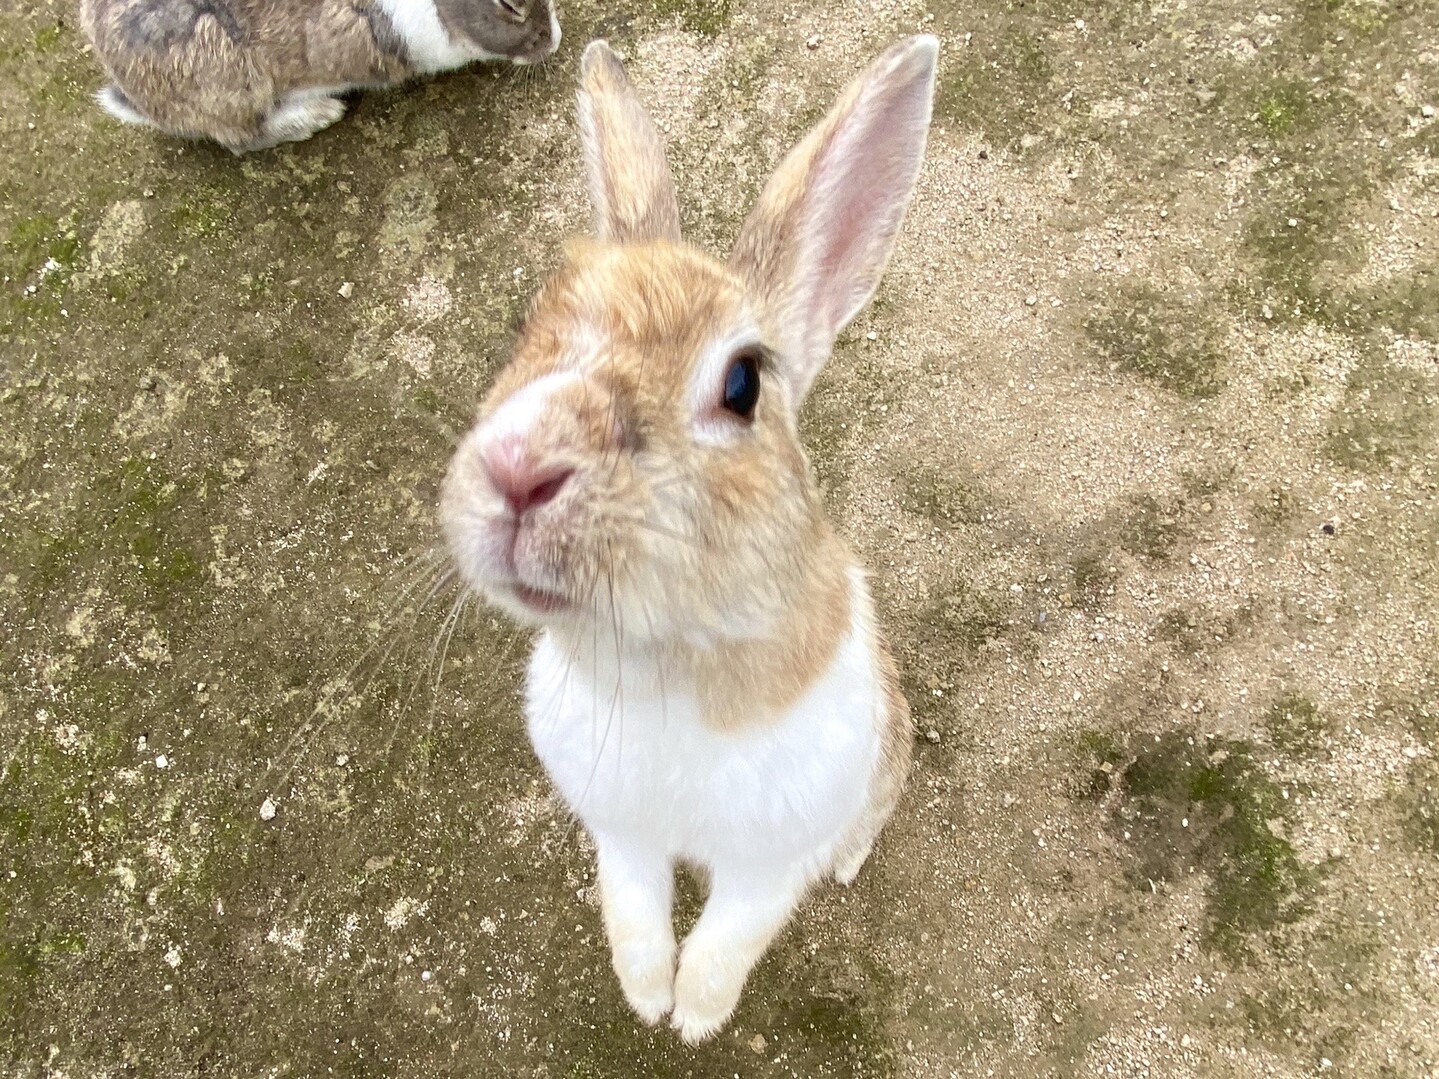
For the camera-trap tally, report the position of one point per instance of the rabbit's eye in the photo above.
(511, 9)
(741, 385)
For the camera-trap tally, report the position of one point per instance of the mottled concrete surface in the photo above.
(1139, 438)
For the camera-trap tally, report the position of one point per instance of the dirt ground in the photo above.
(1139, 439)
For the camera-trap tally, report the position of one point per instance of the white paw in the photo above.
(847, 867)
(706, 992)
(301, 117)
(647, 976)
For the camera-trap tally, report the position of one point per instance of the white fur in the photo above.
(764, 810)
(115, 104)
(523, 408)
(429, 46)
(303, 113)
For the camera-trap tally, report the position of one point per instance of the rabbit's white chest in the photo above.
(644, 766)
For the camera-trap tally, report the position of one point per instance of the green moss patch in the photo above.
(1386, 416)
(37, 260)
(1406, 304)
(706, 17)
(999, 85)
(1187, 803)
(1195, 630)
(1418, 804)
(941, 497)
(1298, 239)
(1144, 332)
(1284, 106)
(139, 529)
(1149, 529)
(1296, 726)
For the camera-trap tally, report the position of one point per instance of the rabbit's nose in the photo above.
(521, 480)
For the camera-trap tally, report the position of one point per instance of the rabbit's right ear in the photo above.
(814, 247)
(630, 184)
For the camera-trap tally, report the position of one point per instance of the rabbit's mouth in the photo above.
(539, 600)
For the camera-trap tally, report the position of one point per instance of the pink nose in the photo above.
(523, 482)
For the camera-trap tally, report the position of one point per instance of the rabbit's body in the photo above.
(254, 73)
(710, 686)
(685, 785)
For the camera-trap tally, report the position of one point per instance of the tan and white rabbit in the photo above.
(251, 74)
(709, 685)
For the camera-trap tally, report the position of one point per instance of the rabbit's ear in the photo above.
(630, 184)
(815, 245)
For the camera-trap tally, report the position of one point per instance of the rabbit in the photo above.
(251, 74)
(709, 686)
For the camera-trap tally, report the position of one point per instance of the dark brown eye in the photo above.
(510, 9)
(741, 385)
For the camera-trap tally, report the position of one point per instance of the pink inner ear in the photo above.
(861, 191)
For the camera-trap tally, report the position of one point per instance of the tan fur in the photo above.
(656, 306)
(761, 541)
(219, 69)
(663, 538)
(757, 539)
(630, 188)
(711, 554)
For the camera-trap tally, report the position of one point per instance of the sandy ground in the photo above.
(1139, 438)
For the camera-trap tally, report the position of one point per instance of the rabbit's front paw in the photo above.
(706, 992)
(647, 976)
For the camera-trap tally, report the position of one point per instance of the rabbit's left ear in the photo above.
(631, 188)
(816, 244)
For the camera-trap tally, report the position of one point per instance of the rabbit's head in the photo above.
(638, 462)
(525, 31)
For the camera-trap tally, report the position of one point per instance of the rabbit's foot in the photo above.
(647, 976)
(299, 117)
(707, 988)
(113, 100)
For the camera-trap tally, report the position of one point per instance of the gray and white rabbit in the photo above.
(251, 74)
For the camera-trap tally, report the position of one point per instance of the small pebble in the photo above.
(162, 761)
(1294, 222)
(347, 290)
(425, 975)
(932, 734)
(812, 42)
(1427, 112)
(1031, 300)
(871, 336)
(267, 809)
(757, 1043)
(1079, 24)
(342, 759)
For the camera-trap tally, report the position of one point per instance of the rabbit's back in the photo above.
(216, 68)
